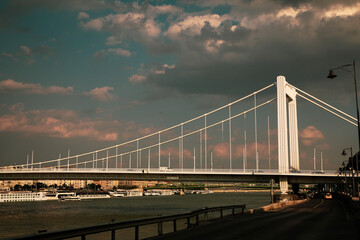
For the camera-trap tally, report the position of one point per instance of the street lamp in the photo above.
(344, 169)
(351, 168)
(332, 75)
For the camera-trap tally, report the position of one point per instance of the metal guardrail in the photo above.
(136, 224)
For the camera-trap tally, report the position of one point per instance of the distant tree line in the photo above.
(40, 185)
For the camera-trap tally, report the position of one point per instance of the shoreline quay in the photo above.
(276, 206)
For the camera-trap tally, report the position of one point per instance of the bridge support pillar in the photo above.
(284, 185)
(287, 126)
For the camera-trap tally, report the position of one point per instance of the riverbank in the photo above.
(276, 206)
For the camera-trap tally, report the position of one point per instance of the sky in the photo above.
(87, 74)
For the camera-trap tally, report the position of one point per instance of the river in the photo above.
(24, 218)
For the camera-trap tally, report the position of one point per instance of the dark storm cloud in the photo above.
(229, 61)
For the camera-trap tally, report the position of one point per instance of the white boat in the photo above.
(84, 196)
(159, 192)
(67, 196)
(22, 196)
(152, 193)
(118, 193)
(134, 193)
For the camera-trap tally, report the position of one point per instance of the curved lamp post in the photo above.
(344, 169)
(332, 75)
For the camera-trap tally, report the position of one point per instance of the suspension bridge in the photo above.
(211, 147)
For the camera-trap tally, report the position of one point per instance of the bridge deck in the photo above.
(306, 177)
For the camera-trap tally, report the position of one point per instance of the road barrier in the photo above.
(136, 224)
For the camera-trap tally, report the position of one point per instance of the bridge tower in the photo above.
(287, 130)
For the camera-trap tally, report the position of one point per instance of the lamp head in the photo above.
(331, 74)
(344, 153)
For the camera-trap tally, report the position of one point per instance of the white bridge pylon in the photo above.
(287, 131)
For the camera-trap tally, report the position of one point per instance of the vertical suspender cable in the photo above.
(93, 161)
(159, 149)
(182, 147)
(245, 154)
(256, 147)
(77, 161)
(201, 149)
(149, 160)
(169, 160)
(321, 162)
(244, 168)
(137, 153)
(96, 157)
(205, 145)
(121, 164)
(27, 161)
(269, 142)
(68, 158)
(314, 159)
(32, 159)
(116, 158)
(230, 152)
(179, 151)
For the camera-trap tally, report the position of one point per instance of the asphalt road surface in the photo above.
(316, 219)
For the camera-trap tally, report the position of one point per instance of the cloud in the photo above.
(125, 26)
(9, 86)
(10, 56)
(101, 94)
(67, 124)
(41, 50)
(138, 23)
(83, 15)
(112, 51)
(26, 50)
(311, 135)
(135, 79)
(255, 42)
(56, 124)
(192, 25)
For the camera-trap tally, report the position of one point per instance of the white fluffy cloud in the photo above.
(192, 25)
(136, 78)
(126, 26)
(101, 94)
(83, 15)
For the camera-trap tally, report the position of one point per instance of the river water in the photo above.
(24, 218)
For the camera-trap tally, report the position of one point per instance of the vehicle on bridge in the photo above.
(328, 196)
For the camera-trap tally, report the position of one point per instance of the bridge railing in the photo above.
(192, 219)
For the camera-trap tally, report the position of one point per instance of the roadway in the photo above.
(316, 219)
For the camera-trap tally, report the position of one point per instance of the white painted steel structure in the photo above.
(288, 149)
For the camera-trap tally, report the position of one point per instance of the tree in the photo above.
(17, 187)
(91, 186)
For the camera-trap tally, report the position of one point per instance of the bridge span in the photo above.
(211, 147)
(175, 175)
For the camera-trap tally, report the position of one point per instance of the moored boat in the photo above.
(22, 196)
